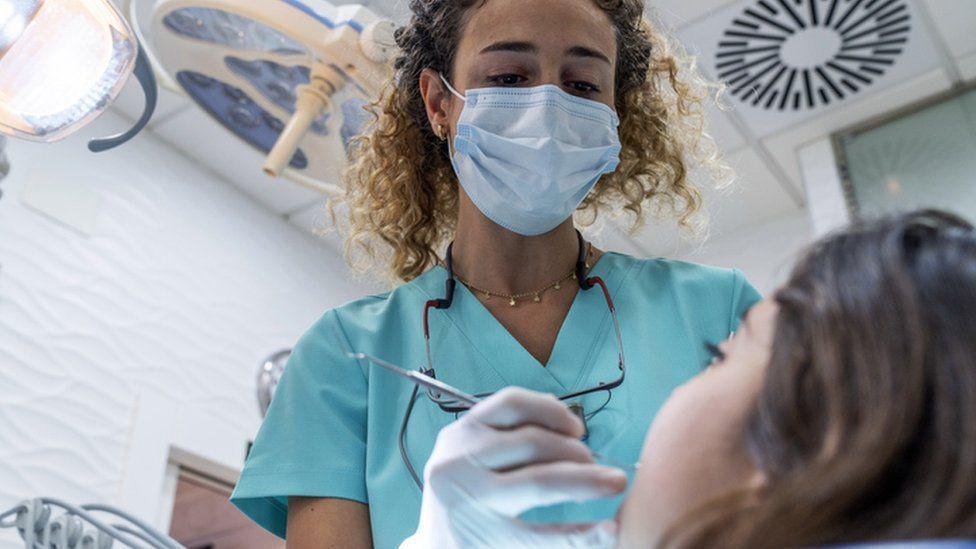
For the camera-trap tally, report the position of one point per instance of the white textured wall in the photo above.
(182, 286)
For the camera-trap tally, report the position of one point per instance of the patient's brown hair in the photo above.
(865, 428)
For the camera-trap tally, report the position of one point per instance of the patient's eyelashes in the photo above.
(717, 354)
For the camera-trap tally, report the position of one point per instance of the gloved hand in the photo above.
(514, 451)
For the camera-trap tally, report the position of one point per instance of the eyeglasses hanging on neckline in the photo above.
(454, 407)
(585, 283)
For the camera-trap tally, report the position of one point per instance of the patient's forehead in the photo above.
(760, 322)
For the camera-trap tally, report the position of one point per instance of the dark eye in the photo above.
(715, 352)
(506, 79)
(583, 87)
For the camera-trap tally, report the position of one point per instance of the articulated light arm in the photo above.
(364, 57)
(143, 72)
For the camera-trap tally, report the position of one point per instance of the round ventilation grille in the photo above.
(800, 54)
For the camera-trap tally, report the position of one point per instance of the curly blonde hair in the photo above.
(401, 191)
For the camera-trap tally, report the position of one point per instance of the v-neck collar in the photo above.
(584, 328)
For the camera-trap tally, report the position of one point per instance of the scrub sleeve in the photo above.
(313, 439)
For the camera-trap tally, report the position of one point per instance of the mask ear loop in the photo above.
(447, 135)
(450, 88)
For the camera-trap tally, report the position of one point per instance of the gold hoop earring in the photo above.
(441, 133)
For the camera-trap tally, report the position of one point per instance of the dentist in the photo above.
(504, 119)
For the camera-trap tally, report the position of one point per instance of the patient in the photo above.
(843, 410)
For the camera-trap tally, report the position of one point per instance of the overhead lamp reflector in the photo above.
(288, 77)
(62, 62)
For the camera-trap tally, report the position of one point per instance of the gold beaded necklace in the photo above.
(536, 295)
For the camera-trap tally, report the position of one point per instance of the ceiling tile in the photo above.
(967, 66)
(723, 130)
(955, 21)
(784, 145)
(754, 198)
(206, 141)
(680, 13)
(786, 66)
(764, 252)
(756, 195)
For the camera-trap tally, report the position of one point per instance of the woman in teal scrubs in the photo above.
(506, 117)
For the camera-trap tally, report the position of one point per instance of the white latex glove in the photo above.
(512, 452)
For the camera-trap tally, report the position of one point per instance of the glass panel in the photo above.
(924, 159)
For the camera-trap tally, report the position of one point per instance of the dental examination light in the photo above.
(80, 527)
(288, 77)
(63, 62)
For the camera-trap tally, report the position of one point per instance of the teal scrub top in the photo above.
(331, 430)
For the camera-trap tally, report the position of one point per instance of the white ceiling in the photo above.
(941, 53)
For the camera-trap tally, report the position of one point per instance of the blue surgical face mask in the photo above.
(527, 157)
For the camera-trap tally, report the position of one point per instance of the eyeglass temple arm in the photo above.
(144, 73)
(597, 281)
(584, 282)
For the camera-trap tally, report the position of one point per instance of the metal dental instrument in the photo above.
(436, 385)
(420, 379)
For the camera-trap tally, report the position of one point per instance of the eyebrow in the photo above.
(528, 47)
(582, 51)
(522, 47)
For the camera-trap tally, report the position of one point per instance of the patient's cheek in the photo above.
(694, 452)
(661, 486)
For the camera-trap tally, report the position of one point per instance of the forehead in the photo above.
(760, 321)
(552, 23)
